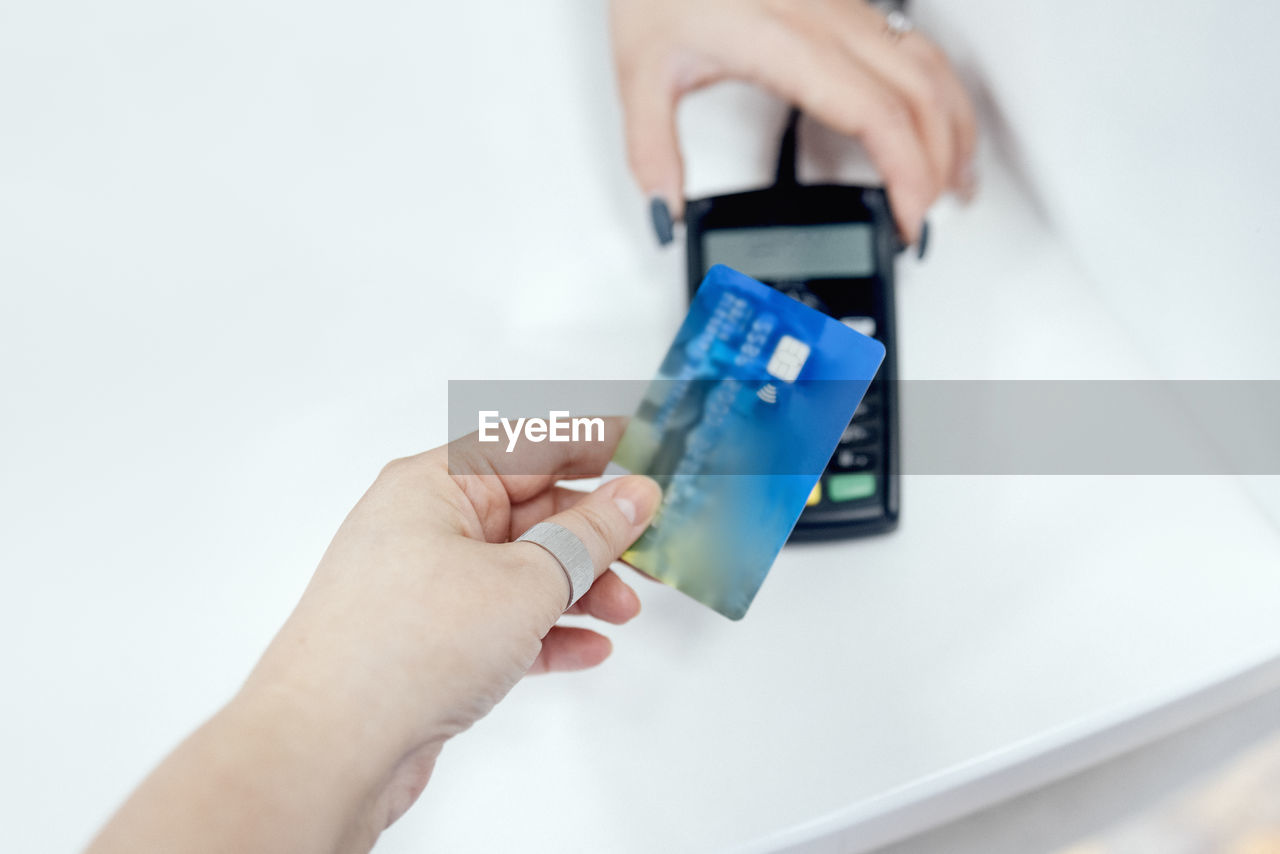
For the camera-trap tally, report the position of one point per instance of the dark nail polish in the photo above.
(661, 215)
(922, 243)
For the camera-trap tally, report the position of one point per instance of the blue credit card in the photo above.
(737, 427)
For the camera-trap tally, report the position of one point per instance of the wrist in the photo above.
(356, 710)
(317, 761)
(303, 739)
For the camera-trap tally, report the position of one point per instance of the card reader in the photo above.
(831, 247)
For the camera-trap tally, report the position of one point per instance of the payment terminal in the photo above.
(831, 247)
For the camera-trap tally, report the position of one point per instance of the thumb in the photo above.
(649, 102)
(607, 521)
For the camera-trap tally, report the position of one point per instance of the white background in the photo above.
(243, 246)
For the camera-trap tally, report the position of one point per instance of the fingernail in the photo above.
(661, 215)
(922, 242)
(627, 506)
(637, 499)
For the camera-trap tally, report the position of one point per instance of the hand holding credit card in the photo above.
(738, 425)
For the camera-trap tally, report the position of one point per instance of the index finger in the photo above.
(813, 71)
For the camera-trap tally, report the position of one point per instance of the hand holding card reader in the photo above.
(831, 247)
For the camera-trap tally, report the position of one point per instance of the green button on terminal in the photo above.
(851, 487)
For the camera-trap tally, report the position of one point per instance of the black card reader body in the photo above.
(832, 247)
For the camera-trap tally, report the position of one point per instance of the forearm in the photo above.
(325, 745)
(265, 774)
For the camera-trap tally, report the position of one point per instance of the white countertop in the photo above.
(243, 253)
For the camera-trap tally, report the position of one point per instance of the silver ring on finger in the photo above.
(897, 25)
(573, 557)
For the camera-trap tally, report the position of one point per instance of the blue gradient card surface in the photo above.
(737, 427)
